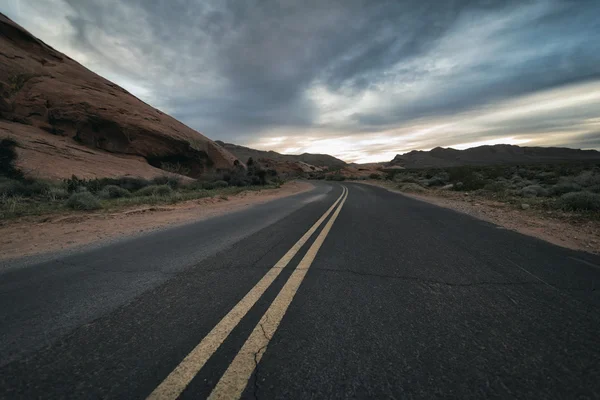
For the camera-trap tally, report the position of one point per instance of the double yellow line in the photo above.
(234, 380)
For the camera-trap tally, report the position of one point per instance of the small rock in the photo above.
(525, 206)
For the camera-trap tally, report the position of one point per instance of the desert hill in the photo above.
(488, 155)
(69, 120)
(316, 160)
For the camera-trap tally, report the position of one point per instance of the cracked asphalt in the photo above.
(403, 300)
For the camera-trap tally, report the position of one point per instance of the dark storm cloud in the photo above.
(233, 69)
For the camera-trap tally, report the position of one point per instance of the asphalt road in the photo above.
(332, 293)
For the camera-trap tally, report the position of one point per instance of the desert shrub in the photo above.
(411, 188)
(130, 183)
(73, 183)
(57, 193)
(468, 177)
(335, 177)
(533, 191)
(580, 201)
(8, 156)
(155, 190)
(113, 192)
(547, 177)
(238, 177)
(83, 201)
(221, 184)
(214, 185)
(24, 188)
(172, 181)
(95, 185)
(10, 187)
(405, 178)
(438, 180)
(587, 178)
(496, 186)
(594, 189)
(564, 187)
(375, 176)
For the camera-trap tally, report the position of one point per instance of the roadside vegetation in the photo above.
(572, 187)
(21, 196)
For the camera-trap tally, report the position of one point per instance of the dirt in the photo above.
(34, 235)
(559, 228)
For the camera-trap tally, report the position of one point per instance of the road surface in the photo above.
(345, 291)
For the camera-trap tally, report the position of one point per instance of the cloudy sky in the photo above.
(361, 80)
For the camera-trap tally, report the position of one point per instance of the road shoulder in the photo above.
(561, 232)
(36, 235)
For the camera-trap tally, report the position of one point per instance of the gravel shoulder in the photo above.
(35, 235)
(559, 228)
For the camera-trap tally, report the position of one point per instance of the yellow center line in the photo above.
(183, 374)
(235, 379)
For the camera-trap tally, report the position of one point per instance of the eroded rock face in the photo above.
(44, 88)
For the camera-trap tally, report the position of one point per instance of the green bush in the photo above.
(221, 184)
(533, 191)
(172, 181)
(83, 201)
(57, 193)
(95, 185)
(437, 181)
(496, 186)
(411, 188)
(580, 201)
(11, 187)
(25, 188)
(335, 177)
(155, 190)
(564, 187)
(113, 192)
(468, 178)
(587, 178)
(8, 156)
(375, 176)
(594, 189)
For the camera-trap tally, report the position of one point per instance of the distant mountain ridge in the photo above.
(440, 157)
(317, 160)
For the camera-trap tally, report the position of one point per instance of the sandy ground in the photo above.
(34, 235)
(558, 228)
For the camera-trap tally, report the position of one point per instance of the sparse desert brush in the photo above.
(587, 178)
(83, 201)
(438, 180)
(113, 192)
(214, 185)
(594, 189)
(411, 188)
(498, 186)
(155, 190)
(8, 156)
(405, 178)
(564, 187)
(57, 193)
(533, 191)
(172, 181)
(580, 201)
(25, 188)
(547, 177)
